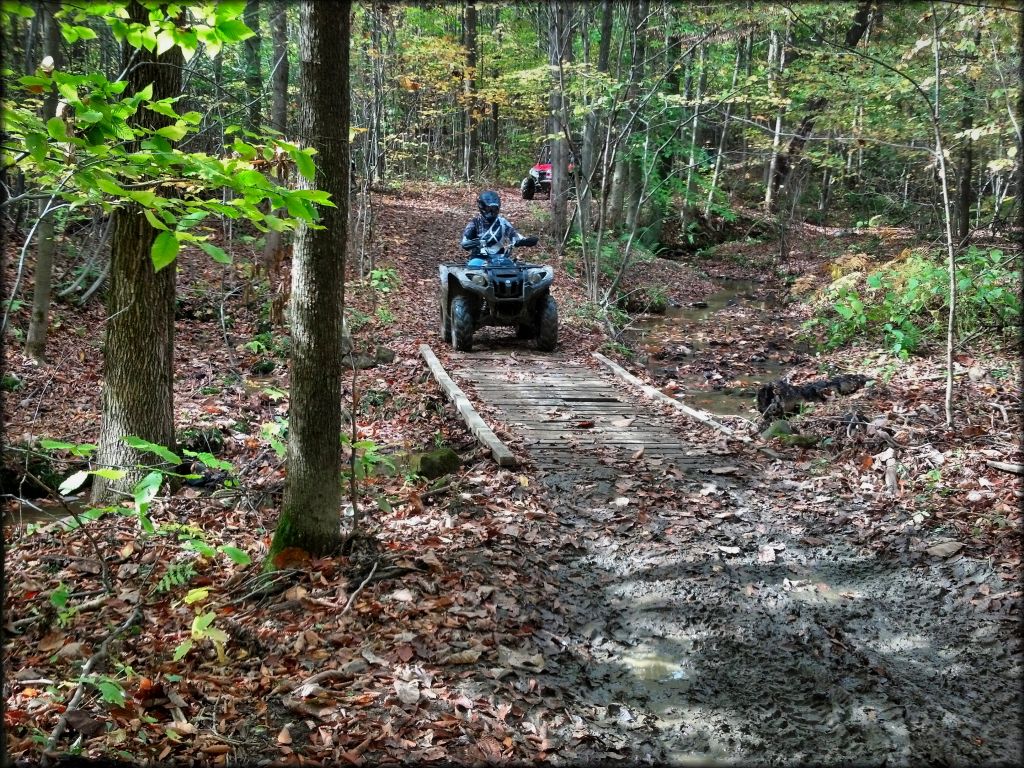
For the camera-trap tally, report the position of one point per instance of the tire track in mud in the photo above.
(708, 617)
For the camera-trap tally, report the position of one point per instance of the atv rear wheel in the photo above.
(524, 331)
(547, 333)
(461, 324)
(528, 188)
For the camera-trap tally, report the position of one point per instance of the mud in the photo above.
(695, 645)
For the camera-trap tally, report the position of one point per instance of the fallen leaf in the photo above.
(468, 656)
(638, 453)
(945, 549)
(729, 550)
(51, 642)
(585, 425)
(284, 737)
(402, 595)
(624, 422)
(765, 554)
(408, 691)
(730, 470)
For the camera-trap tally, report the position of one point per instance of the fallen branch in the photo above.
(90, 665)
(502, 455)
(701, 416)
(359, 589)
(1005, 466)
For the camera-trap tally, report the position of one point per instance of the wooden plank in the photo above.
(701, 416)
(502, 455)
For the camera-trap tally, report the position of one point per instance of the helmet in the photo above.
(489, 204)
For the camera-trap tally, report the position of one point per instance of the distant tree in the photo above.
(310, 515)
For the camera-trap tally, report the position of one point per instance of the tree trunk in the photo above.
(35, 341)
(776, 61)
(559, 53)
(590, 151)
(138, 376)
(274, 250)
(309, 518)
(279, 78)
(785, 162)
(253, 73)
(469, 91)
(723, 138)
(963, 208)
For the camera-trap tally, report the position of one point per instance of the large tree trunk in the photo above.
(138, 376)
(966, 170)
(788, 160)
(309, 518)
(253, 73)
(35, 341)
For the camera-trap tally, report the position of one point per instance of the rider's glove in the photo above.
(471, 245)
(527, 241)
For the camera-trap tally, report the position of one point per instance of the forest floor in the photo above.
(857, 600)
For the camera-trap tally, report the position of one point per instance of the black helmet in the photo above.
(489, 204)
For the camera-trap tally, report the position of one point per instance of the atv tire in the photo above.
(525, 331)
(547, 330)
(528, 188)
(462, 324)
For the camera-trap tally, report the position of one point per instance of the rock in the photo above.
(359, 361)
(383, 355)
(778, 428)
(436, 463)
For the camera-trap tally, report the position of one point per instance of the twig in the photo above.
(359, 589)
(93, 661)
(104, 571)
(1004, 466)
(327, 674)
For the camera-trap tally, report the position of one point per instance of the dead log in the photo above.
(778, 398)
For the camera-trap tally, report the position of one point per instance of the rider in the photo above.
(488, 234)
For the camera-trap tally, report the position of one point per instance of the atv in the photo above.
(498, 291)
(539, 178)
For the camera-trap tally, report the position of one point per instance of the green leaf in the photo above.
(56, 128)
(238, 556)
(54, 445)
(165, 251)
(182, 649)
(73, 483)
(163, 107)
(144, 445)
(202, 548)
(174, 132)
(153, 220)
(111, 692)
(304, 163)
(201, 623)
(217, 254)
(233, 31)
(109, 473)
(197, 595)
(36, 144)
(59, 596)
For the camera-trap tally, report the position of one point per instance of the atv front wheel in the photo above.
(461, 324)
(528, 188)
(547, 333)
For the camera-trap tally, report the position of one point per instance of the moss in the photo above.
(436, 463)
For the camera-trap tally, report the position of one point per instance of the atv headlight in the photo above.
(480, 280)
(536, 276)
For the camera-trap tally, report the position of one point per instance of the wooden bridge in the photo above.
(565, 413)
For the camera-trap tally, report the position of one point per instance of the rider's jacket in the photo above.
(493, 237)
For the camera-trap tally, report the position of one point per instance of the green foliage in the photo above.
(383, 281)
(177, 575)
(365, 457)
(96, 153)
(903, 305)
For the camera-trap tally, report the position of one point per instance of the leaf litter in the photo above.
(501, 628)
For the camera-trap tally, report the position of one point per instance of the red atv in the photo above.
(539, 179)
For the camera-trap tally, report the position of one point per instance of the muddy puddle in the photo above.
(681, 347)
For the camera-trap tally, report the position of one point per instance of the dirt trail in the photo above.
(707, 614)
(708, 611)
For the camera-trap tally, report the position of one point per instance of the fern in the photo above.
(178, 574)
